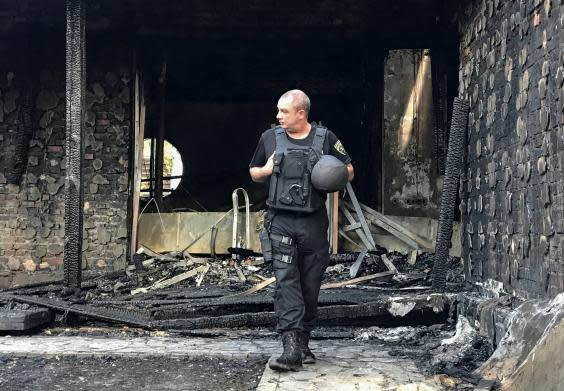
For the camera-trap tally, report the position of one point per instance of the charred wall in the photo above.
(32, 205)
(511, 72)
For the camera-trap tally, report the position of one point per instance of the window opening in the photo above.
(172, 168)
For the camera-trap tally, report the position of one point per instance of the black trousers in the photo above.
(298, 279)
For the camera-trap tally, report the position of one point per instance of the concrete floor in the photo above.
(343, 364)
(351, 368)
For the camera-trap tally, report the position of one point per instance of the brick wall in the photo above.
(32, 211)
(511, 72)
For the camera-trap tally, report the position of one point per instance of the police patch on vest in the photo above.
(339, 148)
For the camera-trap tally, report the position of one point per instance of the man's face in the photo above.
(288, 117)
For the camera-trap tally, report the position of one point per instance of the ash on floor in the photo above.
(113, 373)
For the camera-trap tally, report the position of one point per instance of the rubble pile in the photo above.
(452, 352)
(234, 275)
(176, 291)
(185, 294)
(186, 291)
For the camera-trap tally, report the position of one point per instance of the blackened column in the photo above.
(75, 85)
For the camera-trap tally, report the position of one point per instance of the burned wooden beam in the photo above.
(360, 216)
(24, 319)
(359, 231)
(449, 192)
(355, 267)
(249, 311)
(171, 281)
(257, 287)
(340, 284)
(394, 228)
(75, 85)
(342, 314)
(125, 316)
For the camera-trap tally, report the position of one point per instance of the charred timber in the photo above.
(449, 192)
(226, 307)
(135, 318)
(75, 85)
(346, 296)
(414, 309)
(338, 314)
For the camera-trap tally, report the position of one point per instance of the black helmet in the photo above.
(329, 174)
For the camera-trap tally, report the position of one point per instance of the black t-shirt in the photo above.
(267, 145)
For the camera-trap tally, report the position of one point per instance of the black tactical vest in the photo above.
(290, 183)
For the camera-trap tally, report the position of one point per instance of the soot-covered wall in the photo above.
(511, 72)
(32, 130)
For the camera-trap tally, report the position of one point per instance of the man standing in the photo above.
(296, 223)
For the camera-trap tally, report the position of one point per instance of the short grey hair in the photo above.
(300, 100)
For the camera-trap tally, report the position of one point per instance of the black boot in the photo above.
(307, 355)
(291, 359)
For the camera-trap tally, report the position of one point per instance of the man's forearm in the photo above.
(260, 174)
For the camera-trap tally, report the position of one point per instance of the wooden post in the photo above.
(335, 223)
(139, 134)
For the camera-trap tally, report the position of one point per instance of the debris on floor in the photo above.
(177, 291)
(452, 352)
(20, 317)
(189, 294)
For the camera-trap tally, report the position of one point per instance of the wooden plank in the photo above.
(360, 215)
(139, 134)
(355, 267)
(256, 288)
(389, 225)
(20, 319)
(161, 257)
(355, 281)
(348, 239)
(359, 231)
(390, 229)
(240, 274)
(351, 227)
(201, 276)
(335, 223)
(170, 281)
(389, 264)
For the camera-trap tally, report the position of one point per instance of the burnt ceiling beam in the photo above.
(75, 87)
